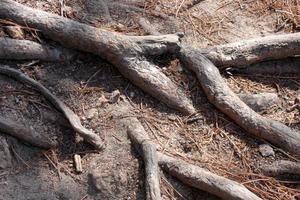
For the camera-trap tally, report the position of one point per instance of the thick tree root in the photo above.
(202, 179)
(224, 99)
(143, 144)
(127, 53)
(74, 120)
(25, 134)
(12, 49)
(282, 167)
(259, 102)
(189, 174)
(256, 50)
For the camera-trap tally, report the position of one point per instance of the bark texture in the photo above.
(25, 134)
(220, 95)
(255, 50)
(202, 179)
(12, 49)
(127, 53)
(74, 120)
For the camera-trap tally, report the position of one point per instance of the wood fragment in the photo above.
(127, 53)
(25, 134)
(11, 49)
(220, 95)
(74, 120)
(202, 179)
(282, 167)
(77, 163)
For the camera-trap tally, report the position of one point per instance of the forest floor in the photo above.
(210, 140)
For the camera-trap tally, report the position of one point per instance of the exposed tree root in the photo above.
(224, 99)
(25, 134)
(282, 167)
(259, 102)
(202, 179)
(74, 120)
(143, 144)
(189, 174)
(28, 50)
(127, 53)
(274, 67)
(256, 50)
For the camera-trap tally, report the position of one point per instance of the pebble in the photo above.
(266, 150)
(91, 113)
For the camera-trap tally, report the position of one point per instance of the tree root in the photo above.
(127, 53)
(256, 50)
(189, 174)
(259, 102)
(203, 179)
(25, 134)
(220, 95)
(143, 144)
(28, 50)
(274, 67)
(74, 120)
(282, 167)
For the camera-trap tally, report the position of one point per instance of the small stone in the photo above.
(266, 150)
(131, 94)
(15, 32)
(172, 118)
(91, 113)
(115, 96)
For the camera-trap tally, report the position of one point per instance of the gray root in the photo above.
(147, 149)
(73, 119)
(127, 53)
(202, 179)
(282, 167)
(25, 134)
(220, 95)
(256, 50)
(259, 102)
(189, 174)
(274, 67)
(12, 49)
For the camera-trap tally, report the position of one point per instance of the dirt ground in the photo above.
(210, 140)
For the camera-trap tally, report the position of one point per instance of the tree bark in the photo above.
(12, 49)
(127, 53)
(202, 179)
(25, 134)
(220, 95)
(74, 120)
